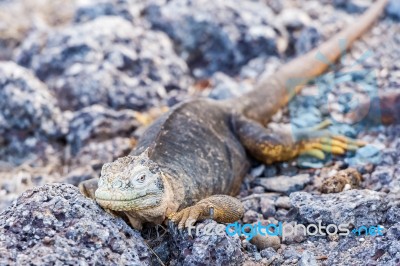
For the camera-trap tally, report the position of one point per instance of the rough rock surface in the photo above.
(26, 104)
(98, 122)
(205, 249)
(106, 61)
(55, 224)
(29, 113)
(218, 35)
(356, 207)
(284, 184)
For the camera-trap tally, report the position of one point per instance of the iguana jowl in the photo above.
(190, 162)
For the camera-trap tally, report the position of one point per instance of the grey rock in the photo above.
(251, 216)
(76, 176)
(284, 184)
(29, 118)
(98, 122)
(224, 87)
(90, 10)
(393, 214)
(308, 39)
(365, 155)
(270, 171)
(307, 259)
(268, 253)
(106, 61)
(393, 9)
(383, 250)
(26, 104)
(294, 19)
(218, 35)
(55, 224)
(283, 202)
(356, 207)
(353, 6)
(96, 153)
(267, 207)
(205, 249)
(291, 253)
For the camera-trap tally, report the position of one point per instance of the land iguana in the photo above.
(190, 163)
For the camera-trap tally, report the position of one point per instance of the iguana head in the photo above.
(130, 183)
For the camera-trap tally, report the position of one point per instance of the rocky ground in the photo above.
(75, 77)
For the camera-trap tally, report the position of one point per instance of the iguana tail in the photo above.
(273, 92)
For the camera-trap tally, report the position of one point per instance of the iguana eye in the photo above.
(141, 178)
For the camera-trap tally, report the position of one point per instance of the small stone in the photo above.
(267, 207)
(284, 184)
(258, 190)
(267, 241)
(307, 259)
(393, 9)
(268, 253)
(283, 202)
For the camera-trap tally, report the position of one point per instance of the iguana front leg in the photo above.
(221, 208)
(283, 144)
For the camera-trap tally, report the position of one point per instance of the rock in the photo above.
(224, 87)
(294, 19)
(216, 36)
(267, 207)
(383, 250)
(96, 153)
(393, 9)
(284, 184)
(98, 122)
(259, 67)
(90, 10)
(356, 207)
(55, 224)
(393, 214)
(205, 249)
(251, 216)
(106, 61)
(307, 259)
(353, 6)
(270, 171)
(29, 118)
(258, 190)
(267, 241)
(268, 253)
(258, 171)
(283, 202)
(308, 39)
(336, 183)
(26, 104)
(76, 176)
(36, 15)
(366, 155)
(291, 253)
(287, 169)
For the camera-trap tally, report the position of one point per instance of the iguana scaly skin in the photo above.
(191, 161)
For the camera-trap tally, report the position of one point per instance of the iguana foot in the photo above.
(337, 145)
(221, 208)
(285, 143)
(316, 140)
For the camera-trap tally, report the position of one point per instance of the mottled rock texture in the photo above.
(56, 225)
(106, 61)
